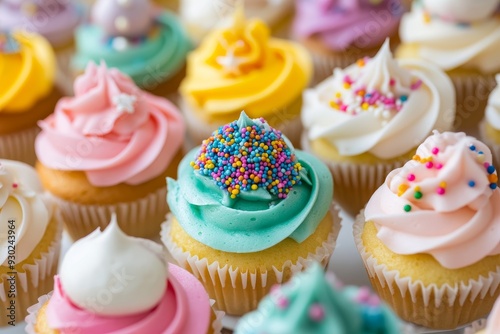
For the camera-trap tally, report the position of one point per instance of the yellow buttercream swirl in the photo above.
(27, 74)
(241, 68)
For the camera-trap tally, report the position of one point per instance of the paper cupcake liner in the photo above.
(432, 306)
(198, 130)
(140, 218)
(36, 280)
(19, 145)
(472, 92)
(494, 147)
(238, 292)
(32, 315)
(475, 327)
(354, 184)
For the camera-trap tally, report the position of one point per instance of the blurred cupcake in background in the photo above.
(489, 326)
(201, 17)
(312, 302)
(248, 211)
(54, 20)
(143, 41)
(30, 241)
(135, 291)
(490, 126)
(430, 235)
(241, 67)
(462, 37)
(27, 92)
(108, 149)
(339, 32)
(367, 119)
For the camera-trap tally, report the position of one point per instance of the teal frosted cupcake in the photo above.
(313, 303)
(142, 41)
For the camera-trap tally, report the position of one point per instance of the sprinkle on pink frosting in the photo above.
(185, 308)
(111, 130)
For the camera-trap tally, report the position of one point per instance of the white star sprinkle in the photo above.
(124, 102)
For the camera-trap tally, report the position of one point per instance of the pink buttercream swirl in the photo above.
(345, 23)
(185, 308)
(445, 202)
(111, 130)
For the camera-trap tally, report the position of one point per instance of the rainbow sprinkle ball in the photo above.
(248, 155)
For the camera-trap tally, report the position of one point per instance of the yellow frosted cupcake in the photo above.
(430, 236)
(247, 212)
(30, 239)
(27, 92)
(242, 68)
(462, 37)
(365, 120)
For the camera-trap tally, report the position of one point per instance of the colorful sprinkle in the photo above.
(316, 312)
(429, 164)
(440, 191)
(247, 159)
(407, 208)
(411, 177)
(493, 178)
(472, 184)
(14, 185)
(490, 169)
(438, 165)
(402, 189)
(418, 195)
(435, 150)
(493, 186)
(282, 302)
(472, 148)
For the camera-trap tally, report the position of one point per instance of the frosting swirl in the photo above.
(492, 112)
(242, 68)
(110, 130)
(29, 63)
(207, 200)
(131, 294)
(444, 38)
(379, 106)
(445, 202)
(309, 303)
(54, 19)
(21, 200)
(341, 24)
(144, 42)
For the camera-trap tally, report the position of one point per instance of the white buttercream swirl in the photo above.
(420, 98)
(450, 43)
(492, 112)
(112, 274)
(21, 200)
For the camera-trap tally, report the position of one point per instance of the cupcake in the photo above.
(112, 283)
(430, 236)
(311, 303)
(242, 68)
(200, 17)
(367, 119)
(145, 42)
(490, 126)
(54, 20)
(30, 240)
(338, 33)
(108, 149)
(462, 37)
(247, 212)
(27, 92)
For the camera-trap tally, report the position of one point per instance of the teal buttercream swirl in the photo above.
(150, 61)
(310, 304)
(255, 220)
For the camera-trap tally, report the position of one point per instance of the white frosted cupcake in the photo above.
(367, 119)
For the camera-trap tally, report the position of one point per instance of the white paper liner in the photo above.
(354, 184)
(422, 296)
(33, 310)
(247, 288)
(472, 92)
(198, 130)
(475, 327)
(140, 218)
(19, 145)
(495, 148)
(36, 280)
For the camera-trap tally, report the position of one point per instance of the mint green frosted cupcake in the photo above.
(142, 41)
(312, 303)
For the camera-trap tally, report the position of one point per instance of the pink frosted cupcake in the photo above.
(339, 32)
(134, 292)
(108, 149)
